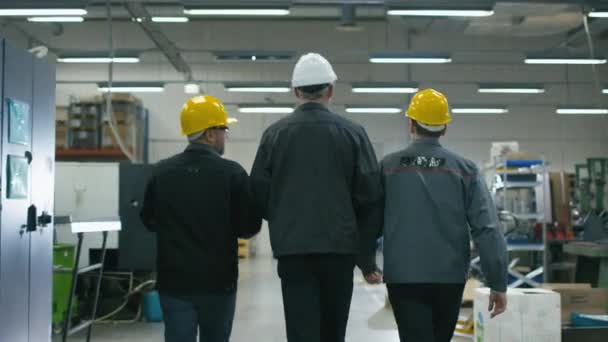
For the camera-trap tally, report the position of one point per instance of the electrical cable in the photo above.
(132, 292)
(109, 111)
(596, 79)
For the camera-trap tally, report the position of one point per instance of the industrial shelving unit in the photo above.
(529, 178)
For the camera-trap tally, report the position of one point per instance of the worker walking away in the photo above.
(434, 201)
(199, 204)
(317, 181)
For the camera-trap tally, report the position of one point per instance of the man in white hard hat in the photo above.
(317, 179)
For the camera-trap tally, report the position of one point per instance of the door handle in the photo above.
(32, 219)
(44, 219)
(29, 157)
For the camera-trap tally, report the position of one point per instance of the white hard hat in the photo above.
(432, 128)
(312, 69)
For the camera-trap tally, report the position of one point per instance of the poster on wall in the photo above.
(19, 122)
(17, 177)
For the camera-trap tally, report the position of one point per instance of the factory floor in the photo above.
(260, 312)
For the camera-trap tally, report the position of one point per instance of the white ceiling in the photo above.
(484, 50)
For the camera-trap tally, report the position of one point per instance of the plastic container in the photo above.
(582, 320)
(152, 308)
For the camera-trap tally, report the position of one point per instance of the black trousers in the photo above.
(426, 312)
(317, 291)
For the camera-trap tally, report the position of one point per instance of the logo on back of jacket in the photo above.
(422, 162)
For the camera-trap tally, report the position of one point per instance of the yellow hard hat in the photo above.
(203, 112)
(429, 107)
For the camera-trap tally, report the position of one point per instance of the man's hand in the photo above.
(374, 278)
(498, 303)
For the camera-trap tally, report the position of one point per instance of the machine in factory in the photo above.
(27, 93)
(590, 214)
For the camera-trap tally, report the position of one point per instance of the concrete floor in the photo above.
(259, 314)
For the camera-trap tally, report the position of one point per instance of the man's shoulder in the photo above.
(325, 117)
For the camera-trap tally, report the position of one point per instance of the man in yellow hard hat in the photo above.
(317, 179)
(434, 200)
(199, 203)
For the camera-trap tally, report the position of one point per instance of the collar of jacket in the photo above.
(197, 147)
(308, 106)
(427, 141)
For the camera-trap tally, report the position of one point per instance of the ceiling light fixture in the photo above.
(598, 14)
(98, 60)
(257, 88)
(254, 56)
(441, 13)
(575, 111)
(379, 89)
(409, 58)
(510, 89)
(266, 110)
(372, 110)
(579, 61)
(480, 110)
(132, 87)
(45, 12)
(170, 19)
(192, 88)
(55, 19)
(237, 12)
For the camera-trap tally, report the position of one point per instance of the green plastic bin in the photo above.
(63, 256)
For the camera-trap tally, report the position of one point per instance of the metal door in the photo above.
(137, 246)
(16, 187)
(43, 181)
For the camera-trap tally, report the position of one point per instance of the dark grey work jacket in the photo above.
(317, 179)
(435, 202)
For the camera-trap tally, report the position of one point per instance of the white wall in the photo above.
(87, 192)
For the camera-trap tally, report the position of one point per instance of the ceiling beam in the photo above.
(154, 32)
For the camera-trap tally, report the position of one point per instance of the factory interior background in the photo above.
(526, 80)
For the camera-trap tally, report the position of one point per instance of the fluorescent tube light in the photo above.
(508, 90)
(574, 111)
(170, 19)
(133, 89)
(605, 91)
(385, 90)
(98, 60)
(441, 13)
(55, 19)
(598, 14)
(255, 56)
(411, 60)
(382, 110)
(237, 12)
(245, 89)
(266, 110)
(566, 61)
(480, 110)
(37, 12)
(192, 88)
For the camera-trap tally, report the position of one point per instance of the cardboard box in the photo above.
(532, 315)
(61, 135)
(119, 97)
(580, 298)
(560, 196)
(469, 290)
(126, 133)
